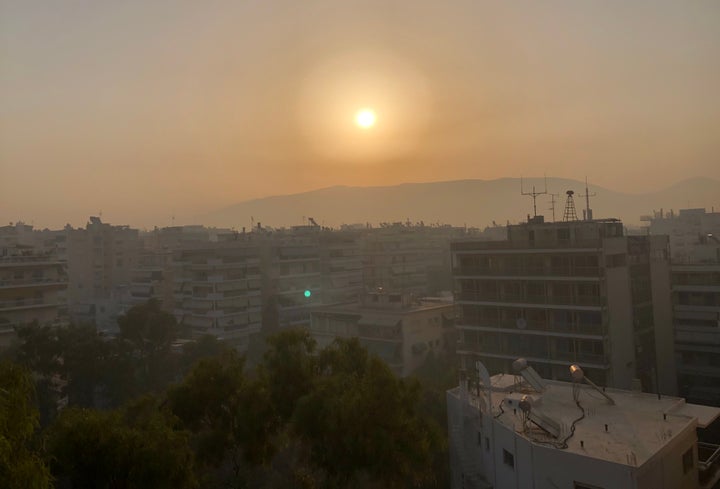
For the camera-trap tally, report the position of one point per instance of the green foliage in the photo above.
(230, 415)
(134, 447)
(148, 327)
(361, 422)
(289, 368)
(19, 465)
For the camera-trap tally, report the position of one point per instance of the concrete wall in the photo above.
(620, 318)
(663, 315)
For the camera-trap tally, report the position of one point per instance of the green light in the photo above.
(308, 293)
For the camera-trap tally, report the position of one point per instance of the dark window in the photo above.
(479, 438)
(508, 458)
(487, 444)
(688, 461)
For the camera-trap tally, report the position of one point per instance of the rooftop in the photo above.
(629, 432)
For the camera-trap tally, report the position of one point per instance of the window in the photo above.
(688, 461)
(479, 438)
(508, 458)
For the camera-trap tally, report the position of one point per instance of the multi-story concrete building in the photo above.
(152, 278)
(695, 255)
(100, 260)
(694, 234)
(30, 289)
(576, 291)
(341, 266)
(520, 431)
(696, 305)
(397, 328)
(293, 283)
(218, 290)
(409, 258)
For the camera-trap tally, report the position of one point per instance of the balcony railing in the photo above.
(576, 300)
(32, 282)
(528, 271)
(528, 325)
(24, 303)
(481, 246)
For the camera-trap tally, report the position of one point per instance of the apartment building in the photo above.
(293, 282)
(152, 278)
(696, 308)
(573, 291)
(218, 290)
(409, 258)
(695, 254)
(518, 431)
(100, 260)
(341, 266)
(31, 287)
(396, 327)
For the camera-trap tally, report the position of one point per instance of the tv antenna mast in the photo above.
(533, 194)
(552, 204)
(587, 213)
(570, 214)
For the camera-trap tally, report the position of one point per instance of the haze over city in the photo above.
(145, 110)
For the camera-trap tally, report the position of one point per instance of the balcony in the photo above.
(486, 247)
(21, 304)
(531, 272)
(533, 327)
(28, 261)
(33, 282)
(520, 300)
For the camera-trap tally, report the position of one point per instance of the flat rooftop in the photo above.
(638, 425)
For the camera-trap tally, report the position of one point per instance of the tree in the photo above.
(134, 447)
(150, 331)
(20, 466)
(230, 415)
(361, 422)
(289, 368)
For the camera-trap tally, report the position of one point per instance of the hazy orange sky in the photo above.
(145, 109)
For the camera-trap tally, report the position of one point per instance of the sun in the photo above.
(365, 118)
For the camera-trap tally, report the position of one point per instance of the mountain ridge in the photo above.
(448, 201)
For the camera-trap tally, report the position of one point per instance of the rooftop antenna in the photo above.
(552, 204)
(533, 194)
(570, 214)
(587, 213)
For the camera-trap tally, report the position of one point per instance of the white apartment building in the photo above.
(695, 254)
(218, 291)
(519, 431)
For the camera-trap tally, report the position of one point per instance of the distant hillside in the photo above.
(471, 202)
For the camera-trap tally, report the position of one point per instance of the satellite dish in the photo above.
(521, 323)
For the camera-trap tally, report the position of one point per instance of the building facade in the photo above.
(218, 291)
(576, 291)
(397, 328)
(31, 289)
